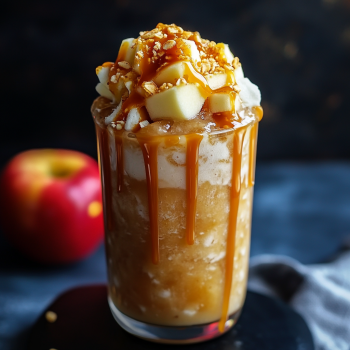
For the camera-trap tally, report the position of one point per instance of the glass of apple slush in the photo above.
(176, 127)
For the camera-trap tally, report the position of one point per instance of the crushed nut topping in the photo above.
(149, 87)
(157, 45)
(114, 78)
(197, 37)
(181, 81)
(124, 64)
(236, 88)
(159, 35)
(169, 44)
(235, 62)
(144, 123)
(165, 86)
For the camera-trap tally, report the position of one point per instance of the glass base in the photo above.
(169, 334)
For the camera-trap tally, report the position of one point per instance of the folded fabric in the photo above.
(320, 293)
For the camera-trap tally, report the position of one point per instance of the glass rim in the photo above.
(133, 135)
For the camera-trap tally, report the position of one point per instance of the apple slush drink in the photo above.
(176, 126)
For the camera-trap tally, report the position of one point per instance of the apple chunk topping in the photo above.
(226, 53)
(127, 51)
(217, 81)
(190, 48)
(173, 75)
(133, 119)
(180, 102)
(103, 90)
(118, 89)
(102, 73)
(170, 74)
(221, 102)
(136, 119)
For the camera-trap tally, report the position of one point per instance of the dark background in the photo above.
(297, 52)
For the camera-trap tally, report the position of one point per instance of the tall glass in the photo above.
(177, 212)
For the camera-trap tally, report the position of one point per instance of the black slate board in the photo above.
(85, 323)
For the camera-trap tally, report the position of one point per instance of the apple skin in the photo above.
(51, 205)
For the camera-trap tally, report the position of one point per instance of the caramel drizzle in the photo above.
(120, 161)
(193, 142)
(150, 156)
(238, 138)
(105, 170)
(252, 153)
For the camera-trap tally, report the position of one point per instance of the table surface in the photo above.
(85, 323)
(300, 209)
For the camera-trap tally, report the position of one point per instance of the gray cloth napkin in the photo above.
(320, 293)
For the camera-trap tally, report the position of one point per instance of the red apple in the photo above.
(51, 204)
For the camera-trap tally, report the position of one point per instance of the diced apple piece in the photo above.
(144, 123)
(103, 90)
(136, 119)
(128, 85)
(228, 54)
(118, 89)
(192, 50)
(181, 102)
(170, 74)
(225, 53)
(127, 51)
(137, 60)
(102, 74)
(216, 81)
(220, 102)
(111, 118)
(132, 120)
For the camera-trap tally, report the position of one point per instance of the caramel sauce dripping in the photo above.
(149, 148)
(105, 170)
(238, 138)
(120, 161)
(150, 155)
(193, 77)
(122, 51)
(224, 119)
(252, 153)
(107, 64)
(193, 142)
(258, 111)
(135, 100)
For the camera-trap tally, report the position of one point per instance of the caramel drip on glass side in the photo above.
(258, 111)
(238, 138)
(120, 161)
(105, 171)
(252, 153)
(150, 156)
(193, 142)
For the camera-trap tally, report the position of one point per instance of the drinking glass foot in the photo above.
(171, 334)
